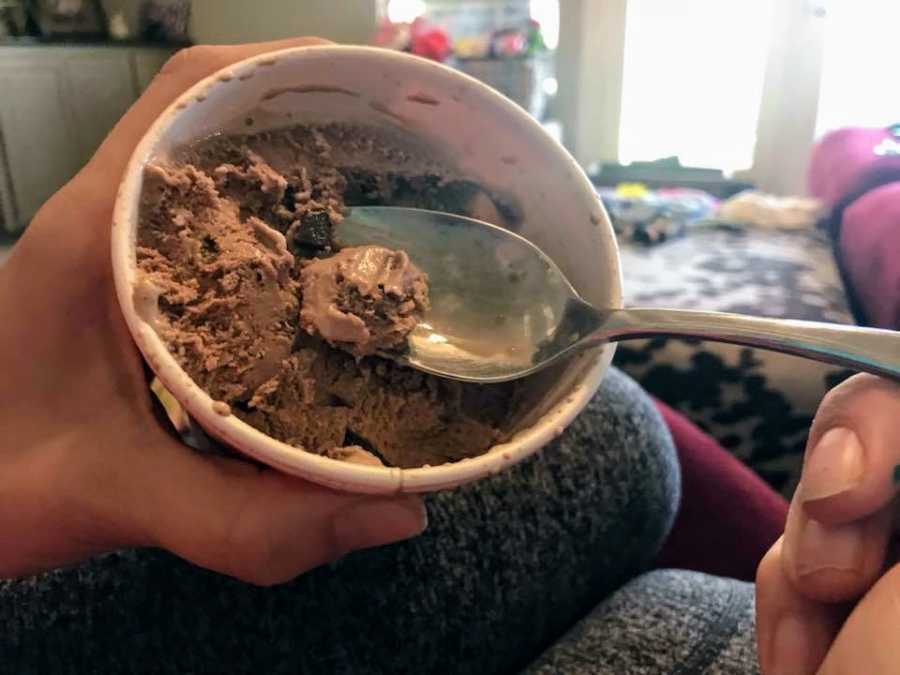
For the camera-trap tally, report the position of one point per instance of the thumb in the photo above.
(865, 643)
(255, 524)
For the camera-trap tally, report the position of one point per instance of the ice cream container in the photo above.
(488, 138)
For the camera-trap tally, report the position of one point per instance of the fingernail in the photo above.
(821, 547)
(374, 523)
(791, 647)
(835, 465)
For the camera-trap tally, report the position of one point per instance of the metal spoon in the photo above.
(501, 309)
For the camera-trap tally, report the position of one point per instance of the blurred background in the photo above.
(715, 94)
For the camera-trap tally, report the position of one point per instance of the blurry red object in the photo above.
(429, 41)
(510, 44)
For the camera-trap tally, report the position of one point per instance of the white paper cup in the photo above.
(487, 137)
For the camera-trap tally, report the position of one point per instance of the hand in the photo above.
(86, 463)
(828, 592)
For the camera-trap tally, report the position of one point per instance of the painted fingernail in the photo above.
(826, 547)
(791, 647)
(835, 465)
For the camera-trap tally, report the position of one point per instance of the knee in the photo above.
(621, 440)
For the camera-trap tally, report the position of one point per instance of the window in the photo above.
(693, 79)
(858, 86)
(404, 11)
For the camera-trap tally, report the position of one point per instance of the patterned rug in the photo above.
(757, 404)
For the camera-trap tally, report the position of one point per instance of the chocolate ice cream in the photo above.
(266, 312)
(363, 298)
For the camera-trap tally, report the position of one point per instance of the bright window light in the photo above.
(858, 86)
(550, 86)
(693, 80)
(546, 13)
(405, 11)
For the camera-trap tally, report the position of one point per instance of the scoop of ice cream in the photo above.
(363, 299)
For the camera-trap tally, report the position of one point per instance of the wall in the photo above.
(233, 21)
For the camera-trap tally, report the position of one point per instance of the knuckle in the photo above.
(890, 585)
(246, 548)
(835, 400)
(186, 59)
(862, 392)
(314, 40)
(768, 571)
(838, 405)
(862, 384)
(250, 554)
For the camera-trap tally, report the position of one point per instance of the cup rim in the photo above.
(297, 461)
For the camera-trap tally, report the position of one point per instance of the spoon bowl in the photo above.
(501, 309)
(494, 295)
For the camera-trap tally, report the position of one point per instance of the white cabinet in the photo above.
(39, 134)
(56, 106)
(147, 63)
(100, 88)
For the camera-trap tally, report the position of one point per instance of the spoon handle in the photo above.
(870, 350)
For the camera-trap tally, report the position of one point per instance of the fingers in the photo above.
(255, 524)
(793, 633)
(840, 520)
(839, 526)
(865, 642)
(835, 563)
(183, 70)
(852, 465)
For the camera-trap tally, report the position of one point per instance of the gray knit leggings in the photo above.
(538, 569)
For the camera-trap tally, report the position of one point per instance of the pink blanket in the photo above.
(728, 517)
(870, 253)
(842, 161)
(856, 172)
